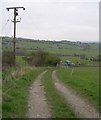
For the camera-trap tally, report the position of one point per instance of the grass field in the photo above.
(27, 45)
(15, 91)
(84, 80)
(65, 50)
(20, 61)
(57, 104)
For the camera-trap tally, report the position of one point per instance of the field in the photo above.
(83, 80)
(16, 83)
(66, 50)
(58, 47)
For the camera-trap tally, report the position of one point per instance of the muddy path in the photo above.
(80, 106)
(37, 105)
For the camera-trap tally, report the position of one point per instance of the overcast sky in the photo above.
(53, 19)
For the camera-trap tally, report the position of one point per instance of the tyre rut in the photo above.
(81, 108)
(37, 105)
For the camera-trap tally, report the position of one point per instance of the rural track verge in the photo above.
(37, 105)
(81, 107)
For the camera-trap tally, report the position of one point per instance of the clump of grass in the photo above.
(15, 92)
(84, 80)
(20, 61)
(57, 104)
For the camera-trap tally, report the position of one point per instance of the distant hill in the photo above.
(63, 47)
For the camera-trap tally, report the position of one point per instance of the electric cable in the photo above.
(6, 22)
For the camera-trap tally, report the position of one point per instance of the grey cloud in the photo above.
(58, 20)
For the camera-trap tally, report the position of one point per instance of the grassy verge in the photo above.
(20, 61)
(58, 107)
(84, 80)
(15, 91)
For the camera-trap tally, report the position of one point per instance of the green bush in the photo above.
(7, 59)
(42, 58)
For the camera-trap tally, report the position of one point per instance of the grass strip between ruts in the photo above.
(59, 108)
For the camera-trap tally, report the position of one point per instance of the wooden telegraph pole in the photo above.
(15, 21)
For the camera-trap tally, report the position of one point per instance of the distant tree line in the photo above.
(42, 58)
(38, 58)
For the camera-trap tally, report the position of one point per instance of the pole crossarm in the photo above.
(15, 21)
(15, 8)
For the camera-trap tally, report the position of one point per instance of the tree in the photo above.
(42, 58)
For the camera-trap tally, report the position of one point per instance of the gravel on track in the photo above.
(37, 105)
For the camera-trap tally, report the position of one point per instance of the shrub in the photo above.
(42, 58)
(7, 59)
(83, 56)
